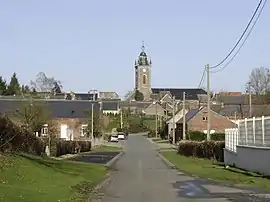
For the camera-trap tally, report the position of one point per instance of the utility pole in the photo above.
(92, 113)
(173, 131)
(121, 118)
(184, 116)
(208, 102)
(156, 120)
(250, 104)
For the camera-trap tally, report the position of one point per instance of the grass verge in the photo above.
(31, 178)
(208, 169)
(108, 148)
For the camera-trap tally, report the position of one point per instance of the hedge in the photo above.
(61, 147)
(203, 149)
(17, 139)
(200, 136)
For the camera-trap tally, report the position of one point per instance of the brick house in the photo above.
(196, 120)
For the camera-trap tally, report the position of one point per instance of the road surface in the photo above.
(141, 176)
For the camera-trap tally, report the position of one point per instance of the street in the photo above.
(142, 176)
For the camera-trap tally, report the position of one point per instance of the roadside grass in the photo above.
(30, 178)
(208, 169)
(156, 139)
(108, 148)
(163, 142)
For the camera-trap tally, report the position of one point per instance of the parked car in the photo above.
(114, 138)
(121, 136)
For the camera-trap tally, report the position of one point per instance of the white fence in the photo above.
(254, 132)
(250, 132)
(231, 138)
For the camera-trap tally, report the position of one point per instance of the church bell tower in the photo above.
(143, 74)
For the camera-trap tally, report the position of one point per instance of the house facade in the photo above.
(196, 120)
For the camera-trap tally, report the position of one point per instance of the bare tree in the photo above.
(259, 80)
(44, 83)
(128, 95)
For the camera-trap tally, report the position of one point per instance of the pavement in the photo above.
(141, 175)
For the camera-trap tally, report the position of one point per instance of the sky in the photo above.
(90, 44)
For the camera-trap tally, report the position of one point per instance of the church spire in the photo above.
(143, 47)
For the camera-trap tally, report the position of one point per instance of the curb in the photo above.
(167, 162)
(108, 164)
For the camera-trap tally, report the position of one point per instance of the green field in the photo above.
(31, 178)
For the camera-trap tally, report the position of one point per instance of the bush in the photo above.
(203, 149)
(17, 139)
(151, 134)
(61, 147)
(200, 136)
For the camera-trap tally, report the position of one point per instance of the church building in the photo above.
(143, 68)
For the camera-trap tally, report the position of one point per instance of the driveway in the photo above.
(142, 176)
(96, 157)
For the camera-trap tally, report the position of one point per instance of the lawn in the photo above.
(208, 169)
(108, 148)
(31, 178)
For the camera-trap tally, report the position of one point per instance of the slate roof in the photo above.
(56, 108)
(140, 105)
(110, 105)
(191, 113)
(191, 93)
(232, 100)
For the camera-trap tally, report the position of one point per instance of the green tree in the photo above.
(3, 86)
(25, 89)
(13, 87)
(33, 115)
(138, 96)
(56, 88)
(97, 123)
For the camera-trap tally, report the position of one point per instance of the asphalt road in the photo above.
(142, 176)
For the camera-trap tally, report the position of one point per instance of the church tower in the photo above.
(143, 74)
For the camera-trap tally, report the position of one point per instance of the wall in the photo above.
(242, 158)
(246, 151)
(218, 123)
(151, 110)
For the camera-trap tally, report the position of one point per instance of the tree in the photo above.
(138, 96)
(56, 88)
(32, 115)
(259, 81)
(3, 86)
(44, 83)
(25, 89)
(13, 87)
(128, 94)
(97, 124)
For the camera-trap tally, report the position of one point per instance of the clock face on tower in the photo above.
(144, 70)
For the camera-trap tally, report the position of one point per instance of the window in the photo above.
(44, 130)
(144, 79)
(83, 130)
(204, 118)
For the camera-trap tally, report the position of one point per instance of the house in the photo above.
(155, 109)
(110, 106)
(70, 117)
(196, 120)
(177, 117)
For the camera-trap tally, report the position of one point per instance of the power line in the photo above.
(202, 79)
(241, 37)
(245, 40)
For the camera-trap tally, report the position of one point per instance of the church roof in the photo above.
(191, 93)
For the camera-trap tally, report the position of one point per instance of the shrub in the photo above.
(17, 139)
(203, 149)
(61, 147)
(151, 133)
(200, 136)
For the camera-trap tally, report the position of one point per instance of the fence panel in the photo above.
(231, 138)
(254, 132)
